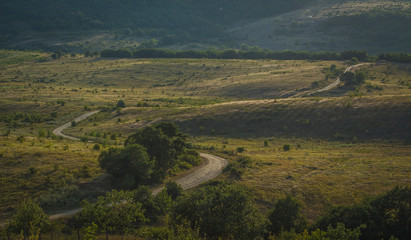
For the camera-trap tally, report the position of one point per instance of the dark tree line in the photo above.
(235, 54)
(396, 57)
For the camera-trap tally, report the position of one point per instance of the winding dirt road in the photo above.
(211, 168)
(58, 131)
(332, 85)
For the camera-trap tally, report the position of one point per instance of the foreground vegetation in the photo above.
(332, 148)
(218, 210)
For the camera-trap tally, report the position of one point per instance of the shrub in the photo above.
(240, 149)
(220, 210)
(20, 139)
(97, 147)
(65, 196)
(286, 215)
(286, 148)
(33, 170)
(121, 104)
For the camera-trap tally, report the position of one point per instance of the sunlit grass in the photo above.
(319, 173)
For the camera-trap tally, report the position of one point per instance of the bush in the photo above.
(121, 104)
(174, 190)
(130, 166)
(240, 149)
(190, 156)
(286, 215)
(97, 147)
(385, 216)
(220, 210)
(61, 197)
(286, 148)
(20, 139)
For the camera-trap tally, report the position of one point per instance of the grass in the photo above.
(224, 105)
(317, 172)
(32, 167)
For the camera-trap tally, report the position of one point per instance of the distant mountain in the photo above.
(79, 25)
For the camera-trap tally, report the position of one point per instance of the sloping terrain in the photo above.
(376, 26)
(338, 118)
(320, 25)
(80, 25)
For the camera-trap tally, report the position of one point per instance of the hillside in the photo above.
(331, 148)
(169, 21)
(374, 25)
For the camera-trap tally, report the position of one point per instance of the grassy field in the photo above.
(346, 144)
(319, 173)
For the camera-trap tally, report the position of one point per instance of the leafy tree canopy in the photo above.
(220, 211)
(132, 166)
(29, 220)
(286, 215)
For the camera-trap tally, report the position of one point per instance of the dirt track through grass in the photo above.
(212, 167)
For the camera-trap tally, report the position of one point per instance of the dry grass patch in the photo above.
(319, 173)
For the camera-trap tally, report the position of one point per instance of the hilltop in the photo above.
(374, 25)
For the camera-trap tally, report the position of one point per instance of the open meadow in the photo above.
(331, 148)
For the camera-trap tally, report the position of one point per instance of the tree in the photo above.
(29, 220)
(220, 210)
(164, 144)
(121, 104)
(351, 78)
(144, 195)
(173, 189)
(348, 78)
(286, 147)
(114, 213)
(131, 165)
(385, 216)
(360, 77)
(286, 216)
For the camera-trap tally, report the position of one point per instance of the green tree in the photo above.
(286, 215)
(114, 213)
(29, 220)
(385, 216)
(121, 104)
(144, 195)
(360, 77)
(174, 190)
(90, 231)
(220, 210)
(348, 78)
(164, 144)
(131, 166)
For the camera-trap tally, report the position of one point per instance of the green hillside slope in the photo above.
(171, 21)
(318, 25)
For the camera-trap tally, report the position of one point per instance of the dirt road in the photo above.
(211, 168)
(332, 85)
(58, 131)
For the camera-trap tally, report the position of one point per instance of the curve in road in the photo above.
(212, 167)
(332, 85)
(59, 131)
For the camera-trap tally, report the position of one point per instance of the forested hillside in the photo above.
(319, 25)
(171, 21)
